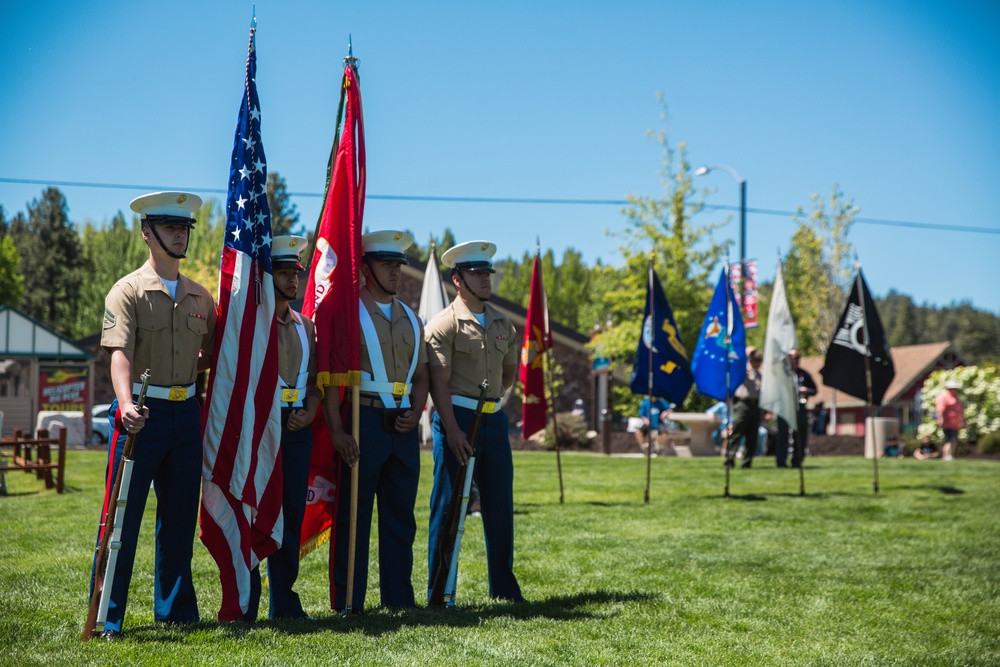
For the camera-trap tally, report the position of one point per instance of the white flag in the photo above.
(433, 299)
(778, 387)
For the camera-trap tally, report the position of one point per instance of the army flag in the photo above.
(241, 520)
(537, 339)
(661, 365)
(778, 385)
(721, 349)
(859, 340)
(331, 299)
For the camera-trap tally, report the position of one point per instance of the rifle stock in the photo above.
(451, 537)
(104, 563)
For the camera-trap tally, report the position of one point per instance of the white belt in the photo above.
(179, 393)
(489, 407)
(394, 388)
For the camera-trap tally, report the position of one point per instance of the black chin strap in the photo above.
(378, 282)
(284, 295)
(173, 254)
(461, 277)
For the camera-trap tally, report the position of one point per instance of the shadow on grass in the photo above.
(382, 621)
(946, 490)
(746, 497)
(15, 494)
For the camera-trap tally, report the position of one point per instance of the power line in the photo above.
(507, 200)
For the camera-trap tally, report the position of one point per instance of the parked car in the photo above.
(100, 427)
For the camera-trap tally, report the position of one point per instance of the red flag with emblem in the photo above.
(331, 300)
(537, 339)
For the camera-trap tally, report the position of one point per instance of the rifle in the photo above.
(107, 549)
(442, 591)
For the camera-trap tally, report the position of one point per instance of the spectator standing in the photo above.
(950, 417)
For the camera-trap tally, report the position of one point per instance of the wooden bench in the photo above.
(29, 455)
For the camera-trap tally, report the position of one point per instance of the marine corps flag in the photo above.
(331, 298)
(537, 339)
(859, 341)
(661, 365)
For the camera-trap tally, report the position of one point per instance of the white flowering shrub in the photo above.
(980, 396)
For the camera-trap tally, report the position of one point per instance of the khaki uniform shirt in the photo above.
(457, 340)
(396, 339)
(164, 335)
(290, 348)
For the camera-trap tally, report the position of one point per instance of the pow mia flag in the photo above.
(858, 335)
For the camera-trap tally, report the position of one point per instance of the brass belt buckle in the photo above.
(289, 395)
(399, 389)
(177, 394)
(489, 407)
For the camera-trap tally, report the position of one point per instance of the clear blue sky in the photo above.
(898, 102)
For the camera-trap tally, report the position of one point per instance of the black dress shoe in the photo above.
(111, 635)
(747, 464)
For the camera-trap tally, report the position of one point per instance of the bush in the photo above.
(572, 432)
(990, 443)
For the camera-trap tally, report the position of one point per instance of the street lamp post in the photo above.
(701, 171)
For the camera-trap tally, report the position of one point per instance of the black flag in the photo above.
(844, 368)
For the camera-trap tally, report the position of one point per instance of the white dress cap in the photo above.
(288, 250)
(471, 255)
(174, 204)
(387, 245)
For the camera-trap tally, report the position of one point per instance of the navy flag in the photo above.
(844, 368)
(721, 345)
(661, 365)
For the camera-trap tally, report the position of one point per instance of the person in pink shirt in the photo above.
(950, 416)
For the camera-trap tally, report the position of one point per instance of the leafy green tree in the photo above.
(204, 252)
(11, 280)
(284, 214)
(819, 268)
(51, 261)
(567, 286)
(901, 319)
(110, 251)
(686, 260)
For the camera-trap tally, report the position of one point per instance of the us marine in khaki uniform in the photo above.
(157, 319)
(467, 342)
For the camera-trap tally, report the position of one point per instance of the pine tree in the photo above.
(51, 261)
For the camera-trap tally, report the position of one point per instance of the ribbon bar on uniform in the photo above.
(489, 407)
(181, 393)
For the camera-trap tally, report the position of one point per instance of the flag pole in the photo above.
(649, 385)
(727, 432)
(351, 61)
(352, 535)
(869, 408)
(548, 377)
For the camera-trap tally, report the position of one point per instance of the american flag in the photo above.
(241, 521)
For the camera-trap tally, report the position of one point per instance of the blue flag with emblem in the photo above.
(721, 348)
(661, 365)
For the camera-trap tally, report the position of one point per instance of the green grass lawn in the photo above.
(839, 577)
